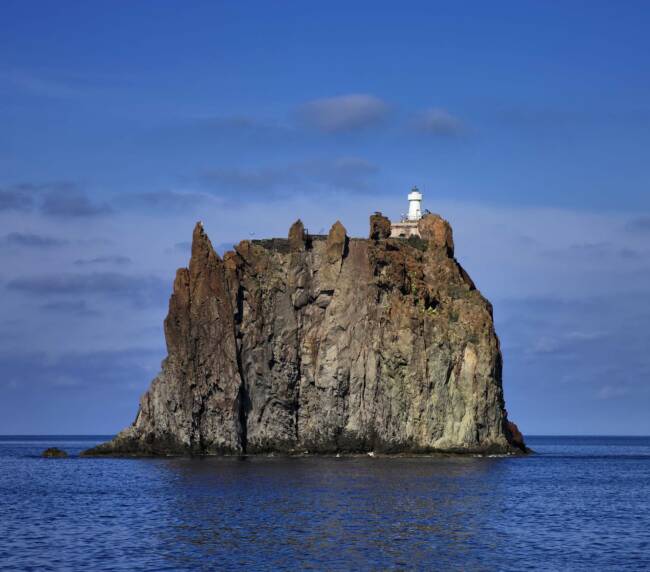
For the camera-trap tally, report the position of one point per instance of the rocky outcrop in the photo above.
(436, 230)
(297, 237)
(515, 437)
(379, 226)
(54, 453)
(325, 344)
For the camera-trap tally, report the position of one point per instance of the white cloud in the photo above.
(612, 392)
(343, 113)
(436, 121)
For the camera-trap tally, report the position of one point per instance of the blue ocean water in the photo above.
(580, 503)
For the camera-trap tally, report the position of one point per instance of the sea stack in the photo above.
(326, 344)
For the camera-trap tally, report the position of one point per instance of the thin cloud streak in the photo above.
(72, 204)
(70, 308)
(30, 240)
(167, 202)
(57, 200)
(142, 290)
(115, 259)
(640, 224)
(16, 199)
(343, 173)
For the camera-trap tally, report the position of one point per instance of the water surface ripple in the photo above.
(579, 504)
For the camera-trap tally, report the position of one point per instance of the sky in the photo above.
(525, 124)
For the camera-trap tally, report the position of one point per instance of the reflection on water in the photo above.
(577, 505)
(356, 511)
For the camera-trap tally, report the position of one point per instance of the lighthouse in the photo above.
(415, 205)
(408, 224)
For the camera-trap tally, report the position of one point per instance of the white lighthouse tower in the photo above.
(408, 224)
(415, 205)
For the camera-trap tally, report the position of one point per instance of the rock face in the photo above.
(325, 345)
(437, 230)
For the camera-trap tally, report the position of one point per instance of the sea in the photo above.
(578, 503)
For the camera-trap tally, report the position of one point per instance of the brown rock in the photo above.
(297, 237)
(437, 231)
(379, 226)
(337, 241)
(351, 346)
(515, 437)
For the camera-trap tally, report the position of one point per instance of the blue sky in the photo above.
(526, 124)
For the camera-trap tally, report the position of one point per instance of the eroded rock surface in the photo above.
(325, 345)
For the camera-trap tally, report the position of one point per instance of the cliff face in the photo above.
(325, 344)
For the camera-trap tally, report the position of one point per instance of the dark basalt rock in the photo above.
(515, 437)
(327, 346)
(54, 453)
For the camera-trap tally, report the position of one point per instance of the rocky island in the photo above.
(326, 344)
